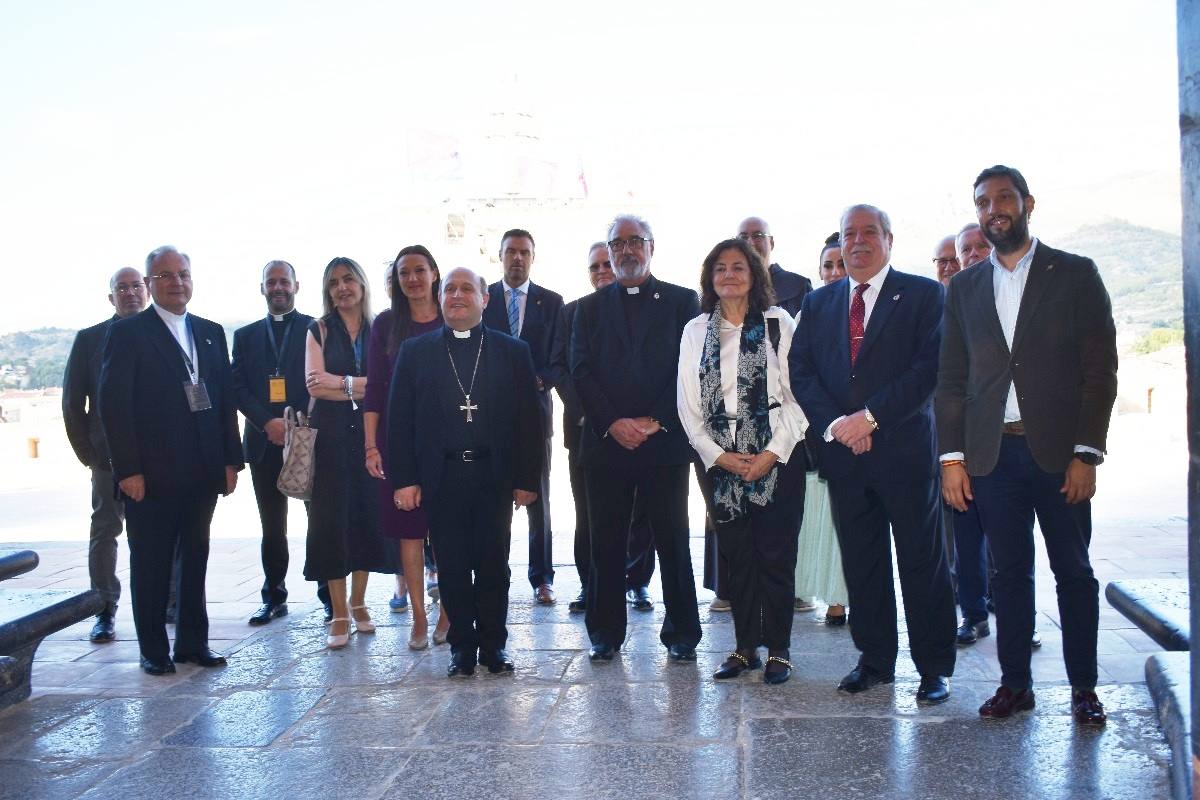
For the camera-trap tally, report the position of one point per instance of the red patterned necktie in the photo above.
(858, 315)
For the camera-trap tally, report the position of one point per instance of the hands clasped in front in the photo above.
(632, 432)
(855, 432)
(747, 466)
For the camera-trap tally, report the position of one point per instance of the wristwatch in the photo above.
(870, 418)
(1091, 459)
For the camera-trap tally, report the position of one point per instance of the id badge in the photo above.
(276, 389)
(197, 396)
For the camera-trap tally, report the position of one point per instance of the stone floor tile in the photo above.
(646, 712)
(50, 780)
(246, 719)
(597, 772)
(373, 717)
(38, 715)
(344, 667)
(530, 666)
(485, 709)
(56, 674)
(239, 673)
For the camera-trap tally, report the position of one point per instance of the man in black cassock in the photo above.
(465, 439)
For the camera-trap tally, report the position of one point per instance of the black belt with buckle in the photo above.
(1014, 428)
(467, 455)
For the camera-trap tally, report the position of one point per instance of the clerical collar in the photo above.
(282, 317)
(464, 334)
(632, 289)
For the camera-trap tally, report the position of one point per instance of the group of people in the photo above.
(833, 423)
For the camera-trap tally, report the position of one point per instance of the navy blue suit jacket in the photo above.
(617, 376)
(147, 422)
(537, 331)
(508, 413)
(253, 361)
(894, 375)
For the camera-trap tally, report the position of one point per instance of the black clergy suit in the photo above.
(790, 288)
(896, 482)
(624, 367)
(182, 454)
(1063, 362)
(639, 567)
(467, 471)
(262, 349)
(542, 308)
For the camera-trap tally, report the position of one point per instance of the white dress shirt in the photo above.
(177, 325)
(870, 295)
(522, 299)
(787, 421)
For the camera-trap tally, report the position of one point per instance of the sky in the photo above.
(244, 132)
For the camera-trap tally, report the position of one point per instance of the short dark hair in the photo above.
(1001, 171)
(517, 232)
(762, 291)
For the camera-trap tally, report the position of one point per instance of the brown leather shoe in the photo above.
(1005, 701)
(1087, 708)
(543, 595)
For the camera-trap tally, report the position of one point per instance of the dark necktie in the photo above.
(858, 316)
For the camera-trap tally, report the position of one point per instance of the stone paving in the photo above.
(376, 720)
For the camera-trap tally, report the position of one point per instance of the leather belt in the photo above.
(1014, 428)
(467, 455)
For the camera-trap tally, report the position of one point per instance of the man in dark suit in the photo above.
(268, 376)
(1027, 382)
(167, 405)
(790, 287)
(639, 565)
(466, 443)
(529, 312)
(624, 362)
(127, 294)
(864, 366)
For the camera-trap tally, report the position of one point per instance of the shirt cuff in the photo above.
(952, 457)
(1083, 448)
(828, 435)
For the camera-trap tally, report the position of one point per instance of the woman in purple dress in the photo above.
(415, 282)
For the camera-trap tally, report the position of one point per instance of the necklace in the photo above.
(467, 392)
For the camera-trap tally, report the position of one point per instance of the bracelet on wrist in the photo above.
(952, 462)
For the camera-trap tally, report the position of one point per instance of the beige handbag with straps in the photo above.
(299, 449)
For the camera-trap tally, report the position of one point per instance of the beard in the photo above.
(629, 268)
(1011, 240)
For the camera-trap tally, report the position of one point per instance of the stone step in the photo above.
(1168, 678)
(17, 563)
(1160, 607)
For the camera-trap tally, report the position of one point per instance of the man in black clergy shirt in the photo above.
(167, 404)
(790, 287)
(268, 376)
(519, 307)
(127, 294)
(624, 361)
(465, 439)
(1026, 384)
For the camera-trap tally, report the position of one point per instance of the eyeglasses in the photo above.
(183, 276)
(757, 236)
(129, 288)
(633, 243)
(945, 262)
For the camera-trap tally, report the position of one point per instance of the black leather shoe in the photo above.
(601, 652)
(496, 661)
(157, 666)
(971, 632)
(934, 689)
(735, 665)
(205, 658)
(641, 599)
(104, 630)
(462, 664)
(328, 614)
(681, 652)
(579, 604)
(268, 612)
(778, 670)
(1087, 708)
(862, 678)
(1005, 701)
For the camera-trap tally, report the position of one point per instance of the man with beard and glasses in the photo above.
(127, 294)
(268, 376)
(1026, 386)
(624, 363)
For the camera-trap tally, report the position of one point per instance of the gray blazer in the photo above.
(1063, 362)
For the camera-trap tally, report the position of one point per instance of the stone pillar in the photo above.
(1188, 33)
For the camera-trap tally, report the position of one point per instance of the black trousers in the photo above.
(272, 513)
(541, 536)
(156, 526)
(760, 549)
(863, 511)
(1008, 498)
(639, 559)
(611, 495)
(716, 566)
(470, 523)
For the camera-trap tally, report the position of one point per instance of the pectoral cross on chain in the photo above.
(468, 408)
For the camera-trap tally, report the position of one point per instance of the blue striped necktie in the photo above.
(514, 312)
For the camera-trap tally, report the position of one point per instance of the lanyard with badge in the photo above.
(193, 387)
(277, 384)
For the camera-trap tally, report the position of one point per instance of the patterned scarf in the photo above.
(731, 494)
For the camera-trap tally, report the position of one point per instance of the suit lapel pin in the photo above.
(208, 341)
(896, 296)
(656, 295)
(1050, 266)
